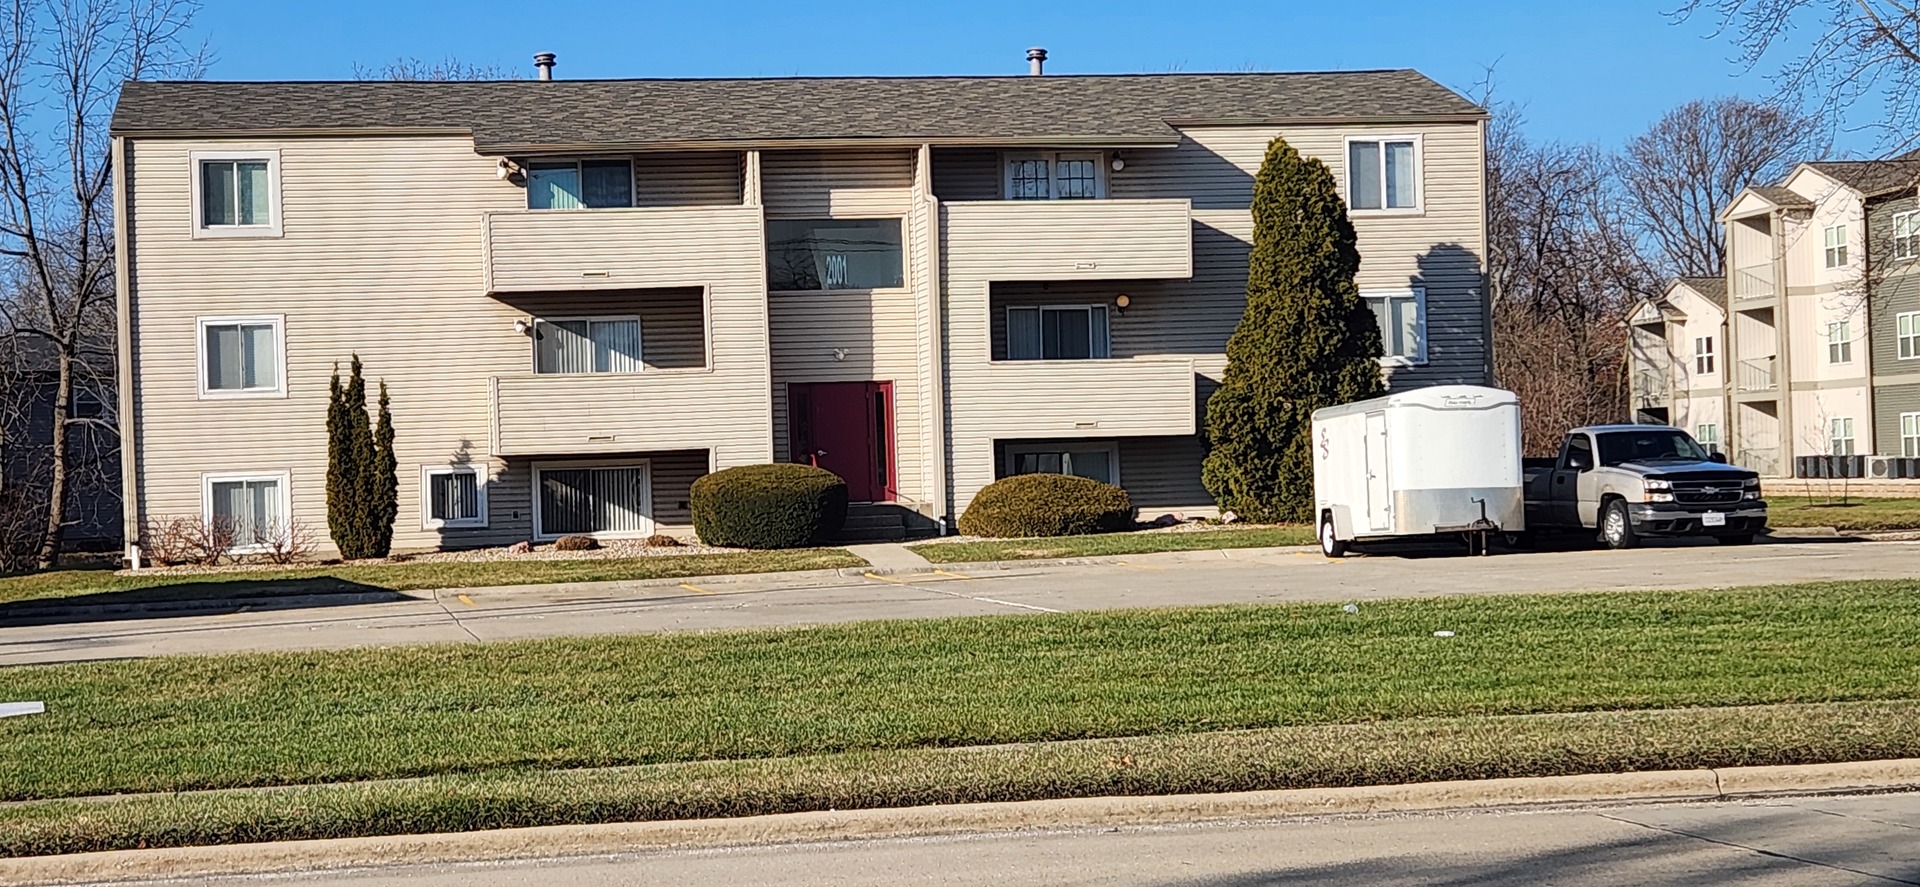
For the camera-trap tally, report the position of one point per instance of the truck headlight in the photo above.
(1752, 486)
(1659, 497)
(1659, 484)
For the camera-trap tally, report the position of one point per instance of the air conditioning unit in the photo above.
(1891, 467)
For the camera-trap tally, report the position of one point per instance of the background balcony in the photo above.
(1752, 282)
(1757, 374)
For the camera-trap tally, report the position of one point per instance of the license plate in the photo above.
(1713, 519)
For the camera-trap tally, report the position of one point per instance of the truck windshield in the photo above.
(1649, 446)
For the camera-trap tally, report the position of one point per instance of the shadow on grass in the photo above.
(195, 598)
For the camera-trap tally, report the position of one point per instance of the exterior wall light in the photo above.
(1120, 302)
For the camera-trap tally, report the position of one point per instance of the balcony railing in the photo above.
(1652, 388)
(629, 412)
(1763, 460)
(1068, 239)
(1757, 374)
(1753, 281)
(541, 250)
(1081, 398)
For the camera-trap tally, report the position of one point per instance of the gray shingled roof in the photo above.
(1781, 196)
(1873, 177)
(521, 115)
(1713, 289)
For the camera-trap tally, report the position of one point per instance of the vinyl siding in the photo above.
(1896, 290)
(510, 497)
(688, 178)
(375, 260)
(922, 479)
(837, 184)
(673, 323)
(1157, 472)
(1889, 401)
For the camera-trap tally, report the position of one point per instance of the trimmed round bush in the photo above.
(768, 506)
(1047, 505)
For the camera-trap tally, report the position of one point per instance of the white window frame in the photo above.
(1837, 443)
(539, 530)
(1062, 447)
(1906, 246)
(1840, 342)
(1703, 351)
(1707, 434)
(282, 477)
(479, 472)
(633, 181)
(279, 323)
(640, 328)
(1419, 296)
(1835, 247)
(203, 231)
(1910, 435)
(1007, 336)
(1419, 207)
(1906, 327)
(1053, 159)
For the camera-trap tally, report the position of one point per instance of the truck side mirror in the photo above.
(1717, 456)
(1579, 461)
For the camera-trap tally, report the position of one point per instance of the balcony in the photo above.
(1752, 282)
(589, 414)
(534, 251)
(1079, 398)
(1756, 374)
(1068, 239)
(1652, 388)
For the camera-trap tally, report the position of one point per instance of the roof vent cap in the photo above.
(544, 62)
(1036, 60)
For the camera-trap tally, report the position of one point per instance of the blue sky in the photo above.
(1585, 71)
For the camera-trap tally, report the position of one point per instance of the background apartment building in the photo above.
(1818, 353)
(584, 295)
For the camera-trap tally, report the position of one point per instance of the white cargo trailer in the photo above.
(1430, 462)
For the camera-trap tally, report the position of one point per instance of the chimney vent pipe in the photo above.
(1036, 61)
(544, 62)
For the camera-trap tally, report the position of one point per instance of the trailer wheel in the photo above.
(1616, 526)
(1330, 544)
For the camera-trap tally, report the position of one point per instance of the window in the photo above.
(1840, 436)
(452, 496)
(1402, 315)
(253, 508)
(236, 193)
(1703, 356)
(1840, 342)
(1836, 246)
(1097, 461)
(597, 500)
(86, 405)
(1708, 434)
(586, 345)
(241, 357)
(1910, 435)
(1383, 174)
(1065, 332)
(1578, 453)
(1055, 177)
(834, 254)
(580, 184)
(1906, 235)
(1907, 330)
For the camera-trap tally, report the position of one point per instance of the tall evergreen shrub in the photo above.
(1306, 341)
(362, 479)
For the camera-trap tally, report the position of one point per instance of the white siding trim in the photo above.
(198, 223)
(279, 322)
(479, 472)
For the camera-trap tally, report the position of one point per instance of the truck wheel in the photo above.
(1737, 539)
(1616, 527)
(1330, 544)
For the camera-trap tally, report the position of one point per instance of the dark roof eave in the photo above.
(1170, 140)
(289, 132)
(1412, 119)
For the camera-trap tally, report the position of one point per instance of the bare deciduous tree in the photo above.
(1688, 166)
(1860, 49)
(60, 72)
(449, 68)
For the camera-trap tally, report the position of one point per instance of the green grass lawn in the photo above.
(1857, 514)
(103, 586)
(188, 723)
(1113, 544)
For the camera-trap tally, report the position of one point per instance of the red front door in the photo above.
(846, 428)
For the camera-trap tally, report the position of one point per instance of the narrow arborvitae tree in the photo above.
(354, 472)
(1306, 341)
(383, 481)
(343, 476)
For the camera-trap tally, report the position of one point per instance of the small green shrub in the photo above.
(1047, 505)
(575, 543)
(768, 506)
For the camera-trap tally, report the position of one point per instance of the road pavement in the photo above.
(1829, 842)
(1162, 580)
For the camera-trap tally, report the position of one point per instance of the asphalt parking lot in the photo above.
(1160, 580)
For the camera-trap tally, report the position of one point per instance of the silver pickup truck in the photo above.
(1628, 481)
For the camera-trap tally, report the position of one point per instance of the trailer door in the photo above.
(1379, 497)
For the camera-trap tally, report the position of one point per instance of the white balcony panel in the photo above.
(534, 251)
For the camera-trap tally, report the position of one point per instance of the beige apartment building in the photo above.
(583, 295)
(1804, 361)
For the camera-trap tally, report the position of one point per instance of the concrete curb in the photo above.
(848, 825)
(20, 615)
